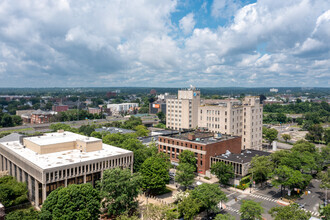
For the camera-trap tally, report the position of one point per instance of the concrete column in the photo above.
(17, 173)
(66, 182)
(13, 170)
(30, 187)
(1, 159)
(23, 176)
(44, 192)
(85, 177)
(8, 165)
(36, 192)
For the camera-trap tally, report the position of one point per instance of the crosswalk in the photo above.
(233, 210)
(313, 213)
(263, 197)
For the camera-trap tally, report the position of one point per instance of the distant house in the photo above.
(37, 117)
(60, 108)
(94, 110)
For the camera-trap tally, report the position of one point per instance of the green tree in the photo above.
(210, 195)
(223, 171)
(188, 156)
(17, 120)
(326, 212)
(303, 146)
(7, 121)
(261, 167)
(12, 193)
(141, 131)
(120, 189)
(286, 137)
(185, 174)
(224, 217)
(251, 210)
(315, 133)
(155, 173)
(325, 179)
(189, 207)
(162, 117)
(270, 134)
(326, 136)
(25, 214)
(292, 212)
(72, 202)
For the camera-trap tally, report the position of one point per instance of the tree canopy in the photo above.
(185, 174)
(155, 173)
(120, 189)
(12, 192)
(209, 195)
(223, 171)
(72, 202)
(289, 212)
(251, 210)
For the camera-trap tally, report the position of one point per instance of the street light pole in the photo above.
(251, 182)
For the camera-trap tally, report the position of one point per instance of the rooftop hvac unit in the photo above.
(217, 135)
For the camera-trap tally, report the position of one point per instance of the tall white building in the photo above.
(236, 118)
(232, 116)
(181, 113)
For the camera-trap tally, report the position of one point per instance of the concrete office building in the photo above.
(59, 159)
(236, 118)
(123, 107)
(241, 162)
(181, 113)
(203, 144)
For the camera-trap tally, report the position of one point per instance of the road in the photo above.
(270, 197)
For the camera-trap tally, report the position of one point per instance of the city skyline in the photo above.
(220, 43)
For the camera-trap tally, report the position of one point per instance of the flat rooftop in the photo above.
(244, 157)
(114, 130)
(201, 137)
(56, 138)
(62, 158)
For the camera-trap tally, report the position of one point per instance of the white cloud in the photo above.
(187, 23)
(224, 8)
(138, 43)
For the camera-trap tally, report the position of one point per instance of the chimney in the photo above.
(191, 136)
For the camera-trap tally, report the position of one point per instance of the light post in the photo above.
(251, 181)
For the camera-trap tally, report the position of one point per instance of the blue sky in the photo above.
(167, 43)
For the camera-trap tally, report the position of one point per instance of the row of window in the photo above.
(79, 170)
(183, 144)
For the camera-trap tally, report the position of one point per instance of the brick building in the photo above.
(203, 144)
(60, 108)
(41, 117)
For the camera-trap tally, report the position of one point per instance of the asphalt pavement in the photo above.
(270, 197)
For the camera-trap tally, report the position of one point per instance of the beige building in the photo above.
(234, 117)
(59, 159)
(181, 113)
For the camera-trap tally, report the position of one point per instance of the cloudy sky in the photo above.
(165, 43)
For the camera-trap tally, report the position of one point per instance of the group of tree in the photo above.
(317, 134)
(185, 173)
(291, 168)
(204, 197)
(74, 115)
(7, 120)
(12, 193)
(276, 118)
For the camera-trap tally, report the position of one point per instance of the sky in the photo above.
(164, 43)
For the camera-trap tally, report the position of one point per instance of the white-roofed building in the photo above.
(58, 159)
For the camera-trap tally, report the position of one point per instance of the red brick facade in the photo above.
(203, 151)
(60, 108)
